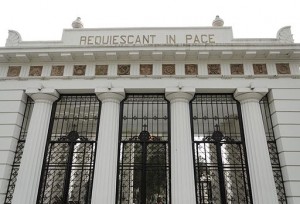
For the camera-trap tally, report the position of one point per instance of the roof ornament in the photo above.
(218, 22)
(285, 35)
(77, 23)
(13, 39)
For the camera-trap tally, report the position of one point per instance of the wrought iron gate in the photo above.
(221, 172)
(144, 174)
(70, 154)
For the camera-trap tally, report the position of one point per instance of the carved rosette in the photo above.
(101, 69)
(57, 70)
(79, 70)
(191, 69)
(237, 69)
(146, 69)
(124, 69)
(260, 69)
(14, 71)
(214, 69)
(283, 68)
(35, 70)
(168, 69)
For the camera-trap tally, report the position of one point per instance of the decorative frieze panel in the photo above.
(283, 68)
(14, 71)
(124, 69)
(79, 70)
(260, 69)
(146, 69)
(168, 69)
(35, 70)
(214, 69)
(237, 69)
(191, 69)
(57, 70)
(101, 69)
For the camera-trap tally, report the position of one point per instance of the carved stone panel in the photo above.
(35, 70)
(168, 69)
(214, 69)
(283, 68)
(260, 69)
(237, 69)
(101, 69)
(57, 70)
(146, 69)
(14, 71)
(124, 69)
(79, 70)
(191, 69)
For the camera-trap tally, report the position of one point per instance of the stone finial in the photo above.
(77, 23)
(285, 35)
(218, 22)
(14, 38)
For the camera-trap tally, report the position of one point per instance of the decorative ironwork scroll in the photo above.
(143, 168)
(221, 172)
(67, 174)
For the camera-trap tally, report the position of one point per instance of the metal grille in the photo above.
(19, 151)
(265, 109)
(70, 153)
(143, 168)
(221, 173)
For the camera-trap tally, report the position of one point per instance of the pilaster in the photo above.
(30, 169)
(182, 170)
(104, 184)
(260, 169)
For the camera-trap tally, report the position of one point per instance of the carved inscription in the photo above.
(260, 69)
(79, 70)
(146, 69)
(101, 69)
(168, 69)
(124, 69)
(237, 69)
(57, 70)
(214, 69)
(283, 68)
(13, 71)
(191, 69)
(35, 70)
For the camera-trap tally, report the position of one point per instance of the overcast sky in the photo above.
(46, 19)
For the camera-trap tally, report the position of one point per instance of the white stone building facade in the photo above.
(176, 65)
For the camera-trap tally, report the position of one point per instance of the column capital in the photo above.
(246, 94)
(104, 94)
(175, 93)
(43, 95)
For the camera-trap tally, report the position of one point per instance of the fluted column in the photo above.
(260, 169)
(31, 164)
(182, 169)
(104, 184)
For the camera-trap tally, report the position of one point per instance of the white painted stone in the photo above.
(291, 173)
(292, 188)
(8, 144)
(284, 94)
(287, 131)
(10, 131)
(31, 164)
(12, 106)
(288, 144)
(289, 158)
(11, 118)
(104, 183)
(182, 169)
(6, 157)
(5, 171)
(2, 197)
(285, 105)
(3, 185)
(289, 118)
(11, 95)
(260, 169)
(293, 200)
